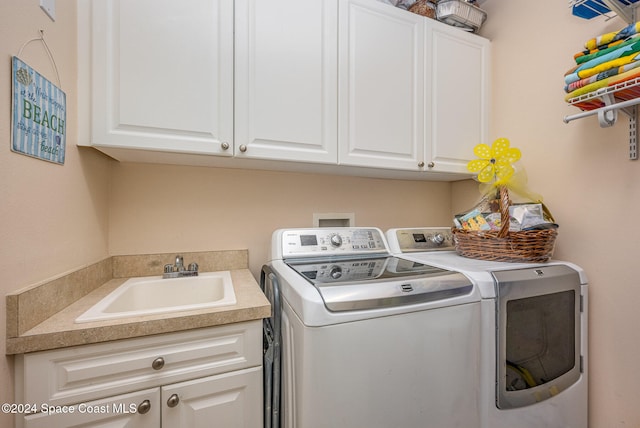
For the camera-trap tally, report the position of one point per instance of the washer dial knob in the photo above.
(335, 272)
(437, 239)
(335, 240)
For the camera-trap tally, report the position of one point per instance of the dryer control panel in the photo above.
(327, 242)
(422, 239)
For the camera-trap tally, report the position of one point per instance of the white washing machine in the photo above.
(359, 338)
(533, 348)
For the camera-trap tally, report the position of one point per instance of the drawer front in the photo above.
(118, 411)
(87, 372)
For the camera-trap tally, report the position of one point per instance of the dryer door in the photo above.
(538, 334)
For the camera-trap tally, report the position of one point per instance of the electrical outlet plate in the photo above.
(49, 7)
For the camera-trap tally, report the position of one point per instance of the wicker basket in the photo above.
(424, 8)
(503, 245)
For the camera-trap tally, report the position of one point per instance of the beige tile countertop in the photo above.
(41, 317)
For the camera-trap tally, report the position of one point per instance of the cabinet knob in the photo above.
(158, 363)
(173, 400)
(431, 164)
(243, 148)
(225, 145)
(420, 164)
(144, 407)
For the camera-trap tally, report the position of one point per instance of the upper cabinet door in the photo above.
(381, 86)
(457, 96)
(162, 75)
(286, 80)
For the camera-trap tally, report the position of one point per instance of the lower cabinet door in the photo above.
(136, 410)
(230, 400)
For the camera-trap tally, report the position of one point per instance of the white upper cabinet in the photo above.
(286, 80)
(161, 75)
(326, 85)
(457, 99)
(414, 91)
(381, 85)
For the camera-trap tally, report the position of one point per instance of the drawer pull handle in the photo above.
(144, 407)
(173, 400)
(158, 363)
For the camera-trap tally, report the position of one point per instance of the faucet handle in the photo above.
(168, 268)
(193, 267)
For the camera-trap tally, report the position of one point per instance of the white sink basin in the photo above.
(155, 295)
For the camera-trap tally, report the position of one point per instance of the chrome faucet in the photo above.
(179, 265)
(177, 270)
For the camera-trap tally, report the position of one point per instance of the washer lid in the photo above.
(379, 282)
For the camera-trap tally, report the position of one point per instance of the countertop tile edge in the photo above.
(48, 341)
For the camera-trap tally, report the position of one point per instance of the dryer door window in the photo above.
(538, 334)
(540, 339)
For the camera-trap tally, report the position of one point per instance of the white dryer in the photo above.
(359, 338)
(533, 336)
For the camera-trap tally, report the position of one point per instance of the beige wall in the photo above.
(586, 178)
(174, 208)
(53, 219)
(56, 219)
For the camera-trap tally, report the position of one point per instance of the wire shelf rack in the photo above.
(624, 96)
(589, 9)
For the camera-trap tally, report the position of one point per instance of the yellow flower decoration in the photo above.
(495, 161)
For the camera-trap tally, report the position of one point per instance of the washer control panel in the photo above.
(420, 239)
(346, 271)
(326, 242)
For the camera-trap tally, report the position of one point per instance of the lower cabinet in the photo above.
(199, 378)
(227, 400)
